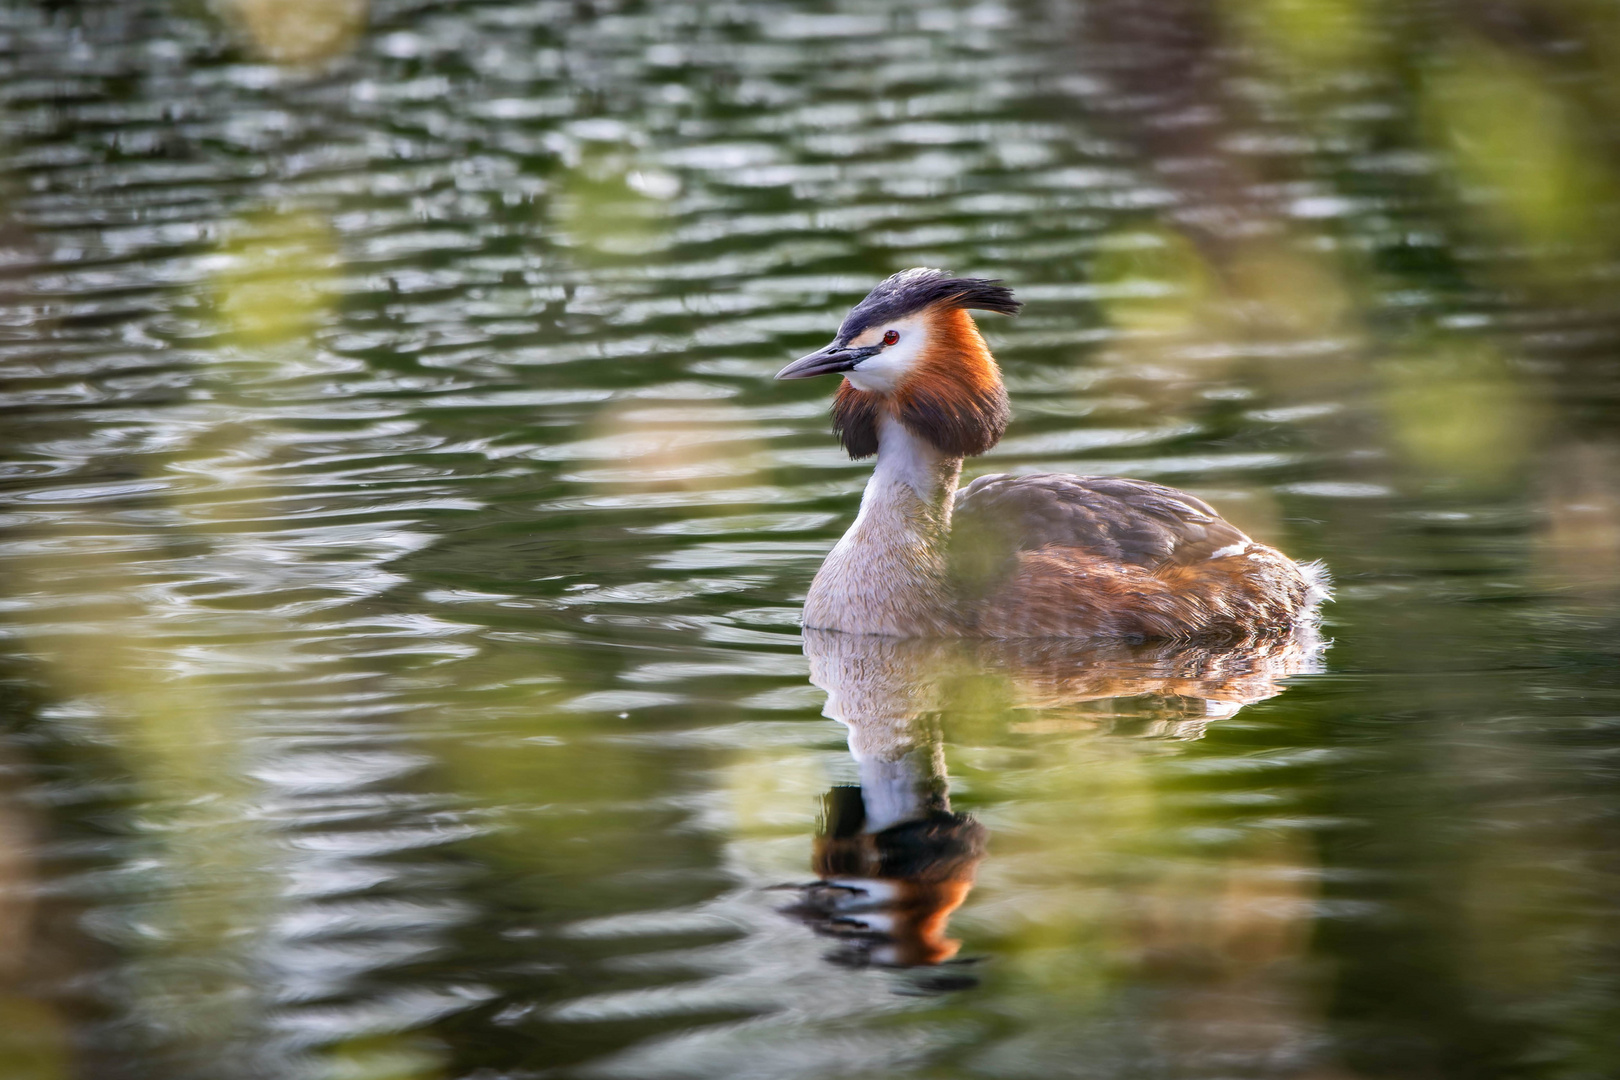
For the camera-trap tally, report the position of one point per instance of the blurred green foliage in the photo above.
(1368, 216)
(277, 278)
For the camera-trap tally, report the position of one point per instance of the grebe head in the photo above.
(910, 350)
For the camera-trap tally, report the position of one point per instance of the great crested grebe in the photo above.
(1044, 555)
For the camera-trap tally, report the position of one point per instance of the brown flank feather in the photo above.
(1060, 591)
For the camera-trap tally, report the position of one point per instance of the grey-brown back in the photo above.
(1130, 521)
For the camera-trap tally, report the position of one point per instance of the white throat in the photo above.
(904, 459)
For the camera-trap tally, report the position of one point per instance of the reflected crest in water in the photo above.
(892, 859)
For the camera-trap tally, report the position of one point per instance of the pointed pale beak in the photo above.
(832, 360)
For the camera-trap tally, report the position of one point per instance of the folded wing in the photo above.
(1076, 555)
(1127, 521)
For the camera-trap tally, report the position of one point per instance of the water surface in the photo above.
(402, 542)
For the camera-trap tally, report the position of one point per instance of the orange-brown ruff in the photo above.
(1045, 555)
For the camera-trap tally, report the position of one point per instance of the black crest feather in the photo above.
(912, 290)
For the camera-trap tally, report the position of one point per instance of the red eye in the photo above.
(891, 337)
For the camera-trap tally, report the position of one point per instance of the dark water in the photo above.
(401, 545)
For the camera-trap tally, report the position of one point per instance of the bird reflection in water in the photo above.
(892, 859)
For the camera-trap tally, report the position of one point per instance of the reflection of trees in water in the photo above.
(893, 861)
(58, 982)
(1420, 195)
(1436, 187)
(1416, 207)
(1244, 109)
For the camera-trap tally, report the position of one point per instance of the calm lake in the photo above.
(402, 542)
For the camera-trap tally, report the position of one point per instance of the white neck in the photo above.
(887, 575)
(905, 460)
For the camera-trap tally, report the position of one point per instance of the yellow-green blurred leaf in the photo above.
(278, 277)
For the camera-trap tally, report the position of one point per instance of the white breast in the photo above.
(887, 574)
